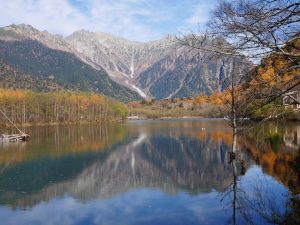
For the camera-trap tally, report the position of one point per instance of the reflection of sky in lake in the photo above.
(142, 206)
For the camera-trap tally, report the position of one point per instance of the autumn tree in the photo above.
(254, 29)
(24, 106)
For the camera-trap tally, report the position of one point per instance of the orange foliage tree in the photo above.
(24, 106)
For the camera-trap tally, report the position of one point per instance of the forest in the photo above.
(29, 107)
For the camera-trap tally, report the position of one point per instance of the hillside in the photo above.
(11, 78)
(159, 69)
(55, 67)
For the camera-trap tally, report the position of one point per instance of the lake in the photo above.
(151, 172)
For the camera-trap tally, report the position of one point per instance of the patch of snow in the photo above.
(131, 67)
(139, 91)
(177, 90)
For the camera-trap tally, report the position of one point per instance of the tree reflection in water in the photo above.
(234, 191)
(258, 203)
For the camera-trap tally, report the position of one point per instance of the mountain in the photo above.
(124, 60)
(45, 58)
(159, 69)
(84, 60)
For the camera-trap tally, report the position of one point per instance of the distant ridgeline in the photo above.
(23, 106)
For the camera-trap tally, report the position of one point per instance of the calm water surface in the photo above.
(150, 172)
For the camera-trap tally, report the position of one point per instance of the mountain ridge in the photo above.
(27, 55)
(160, 68)
(156, 69)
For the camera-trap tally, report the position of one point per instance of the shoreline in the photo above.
(5, 125)
(163, 118)
(208, 118)
(176, 118)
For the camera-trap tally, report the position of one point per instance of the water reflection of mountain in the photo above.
(171, 157)
(194, 165)
(55, 154)
(168, 162)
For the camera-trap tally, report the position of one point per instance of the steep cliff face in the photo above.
(178, 74)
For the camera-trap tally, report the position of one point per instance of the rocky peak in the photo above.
(120, 57)
(53, 41)
(29, 32)
(22, 29)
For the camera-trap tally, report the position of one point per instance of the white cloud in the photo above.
(133, 19)
(60, 16)
(56, 15)
(199, 15)
(120, 18)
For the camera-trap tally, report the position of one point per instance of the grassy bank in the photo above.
(174, 108)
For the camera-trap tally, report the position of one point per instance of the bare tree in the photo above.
(253, 29)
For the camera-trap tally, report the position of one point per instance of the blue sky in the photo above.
(140, 20)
